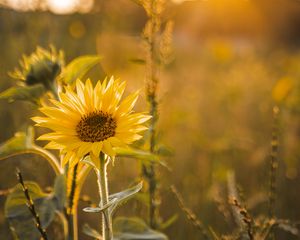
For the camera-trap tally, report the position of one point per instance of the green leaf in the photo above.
(13, 233)
(60, 190)
(28, 93)
(145, 156)
(23, 223)
(115, 200)
(136, 153)
(121, 197)
(135, 228)
(79, 67)
(23, 142)
(20, 217)
(168, 222)
(87, 230)
(46, 205)
(87, 159)
(143, 197)
(288, 226)
(100, 209)
(17, 198)
(24, 229)
(164, 151)
(20, 142)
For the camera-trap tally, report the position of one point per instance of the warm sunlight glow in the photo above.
(62, 7)
(55, 6)
(70, 6)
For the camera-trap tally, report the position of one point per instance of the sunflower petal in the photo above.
(96, 148)
(84, 149)
(107, 149)
(128, 103)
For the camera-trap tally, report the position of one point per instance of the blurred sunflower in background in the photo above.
(41, 67)
(92, 120)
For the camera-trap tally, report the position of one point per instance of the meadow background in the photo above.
(233, 61)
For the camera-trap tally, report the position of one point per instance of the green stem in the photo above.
(70, 227)
(151, 92)
(103, 192)
(64, 223)
(50, 157)
(151, 171)
(73, 216)
(274, 161)
(73, 226)
(72, 209)
(43, 153)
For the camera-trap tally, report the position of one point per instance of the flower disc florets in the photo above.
(96, 126)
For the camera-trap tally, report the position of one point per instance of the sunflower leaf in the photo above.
(87, 230)
(100, 209)
(60, 191)
(136, 153)
(115, 200)
(121, 197)
(79, 67)
(142, 155)
(168, 222)
(28, 93)
(287, 226)
(20, 217)
(88, 160)
(135, 228)
(16, 197)
(21, 141)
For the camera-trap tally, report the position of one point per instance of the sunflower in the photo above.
(92, 120)
(41, 67)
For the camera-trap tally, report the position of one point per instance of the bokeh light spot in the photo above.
(77, 29)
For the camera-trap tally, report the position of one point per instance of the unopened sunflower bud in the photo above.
(43, 72)
(41, 67)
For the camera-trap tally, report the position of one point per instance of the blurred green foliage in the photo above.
(216, 100)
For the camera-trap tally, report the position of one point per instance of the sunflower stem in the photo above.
(41, 152)
(103, 192)
(73, 206)
(65, 224)
(72, 226)
(152, 82)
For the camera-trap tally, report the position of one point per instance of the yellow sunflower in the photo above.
(42, 66)
(91, 120)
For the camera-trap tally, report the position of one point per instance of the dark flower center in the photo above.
(96, 126)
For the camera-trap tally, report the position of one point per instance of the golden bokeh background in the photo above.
(233, 61)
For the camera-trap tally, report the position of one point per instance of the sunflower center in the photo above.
(96, 126)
